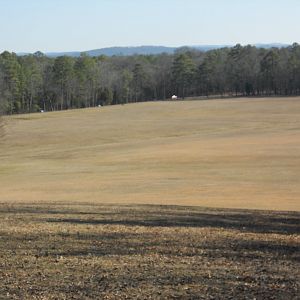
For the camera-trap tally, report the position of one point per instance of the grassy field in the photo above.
(217, 153)
(160, 200)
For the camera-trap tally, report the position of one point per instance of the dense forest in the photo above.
(36, 82)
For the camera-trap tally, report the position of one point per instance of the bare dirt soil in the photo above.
(147, 252)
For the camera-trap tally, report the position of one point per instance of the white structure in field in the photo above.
(174, 97)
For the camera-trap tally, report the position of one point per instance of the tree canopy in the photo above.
(36, 82)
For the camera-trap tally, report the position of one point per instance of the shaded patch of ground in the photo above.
(147, 252)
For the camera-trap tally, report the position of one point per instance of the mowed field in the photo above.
(242, 153)
(158, 200)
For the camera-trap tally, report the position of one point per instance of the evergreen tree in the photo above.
(183, 71)
(33, 82)
(63, 74)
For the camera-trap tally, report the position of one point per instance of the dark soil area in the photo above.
(147, 252)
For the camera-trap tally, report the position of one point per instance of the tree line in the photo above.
(36, 82)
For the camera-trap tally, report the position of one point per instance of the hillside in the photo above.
(242, 153)
(119, 51)
(139, 201)
(147, 50)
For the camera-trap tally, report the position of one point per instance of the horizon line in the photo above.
(153, 45)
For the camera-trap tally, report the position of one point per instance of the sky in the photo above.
(79, 25)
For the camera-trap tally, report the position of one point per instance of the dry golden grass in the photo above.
(237, 153)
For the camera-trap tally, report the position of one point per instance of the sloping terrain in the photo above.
(241, 153)
(109, 203)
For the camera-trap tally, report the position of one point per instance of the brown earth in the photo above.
(147, 252)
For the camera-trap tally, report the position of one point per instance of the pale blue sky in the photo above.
(66, 25)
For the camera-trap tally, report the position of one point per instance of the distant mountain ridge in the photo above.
(120, 51)
(147, 50)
